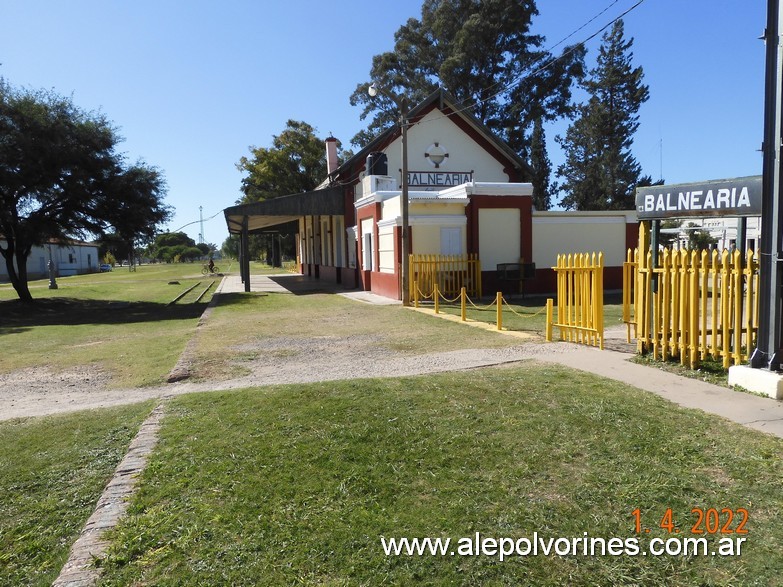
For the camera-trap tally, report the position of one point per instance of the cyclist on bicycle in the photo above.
(211, 266)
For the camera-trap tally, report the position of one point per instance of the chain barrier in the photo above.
(541, 311)
(479, 307)
(447, 300)
(421, 293)
(436, 296)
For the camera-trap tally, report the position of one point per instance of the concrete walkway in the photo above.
(760, 413)
(300, 285)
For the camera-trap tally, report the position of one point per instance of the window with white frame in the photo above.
(368, 252)
(368, 245)
(451, 240)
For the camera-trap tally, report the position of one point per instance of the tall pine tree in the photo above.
(483, 53)
(540, 166)
(599, 172)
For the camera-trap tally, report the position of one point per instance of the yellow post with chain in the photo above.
(549, 318)
(499, 301)
(463, 310)
(436, 297)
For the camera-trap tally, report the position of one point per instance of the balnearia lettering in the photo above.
(722, 199)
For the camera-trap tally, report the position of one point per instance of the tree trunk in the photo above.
(18, 278)
(21, 287)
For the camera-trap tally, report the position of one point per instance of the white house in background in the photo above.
(72, 258)
(723, 230)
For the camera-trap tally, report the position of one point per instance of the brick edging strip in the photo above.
(80, 570)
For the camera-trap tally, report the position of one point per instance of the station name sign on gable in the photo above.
(727, 197)
(438, 178)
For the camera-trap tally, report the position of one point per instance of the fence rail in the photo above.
(693, 305)
(449, 272)
(580, 299)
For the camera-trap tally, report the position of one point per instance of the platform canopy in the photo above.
(260, 215)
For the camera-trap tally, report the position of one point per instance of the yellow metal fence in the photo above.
(449, 272)
(580, 299)
(704, 304)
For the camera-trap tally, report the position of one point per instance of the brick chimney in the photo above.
(331, 155)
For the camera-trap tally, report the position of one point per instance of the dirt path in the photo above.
(38, 392)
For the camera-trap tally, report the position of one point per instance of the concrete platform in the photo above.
(296, 284)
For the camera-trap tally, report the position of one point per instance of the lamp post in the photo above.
(50, 267)
(402, 105)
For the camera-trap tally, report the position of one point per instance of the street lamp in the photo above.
(50, 267)
(402, 105)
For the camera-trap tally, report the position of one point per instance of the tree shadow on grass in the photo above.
(16, 316)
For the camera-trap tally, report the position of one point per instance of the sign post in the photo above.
(770, 334)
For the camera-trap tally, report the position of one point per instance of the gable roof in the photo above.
(328, 197)
(441, 100)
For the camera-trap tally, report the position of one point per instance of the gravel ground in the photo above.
(38, 392)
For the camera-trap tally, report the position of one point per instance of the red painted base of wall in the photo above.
(329, 274)
(365, 280)
(385, 284)
(350, 278)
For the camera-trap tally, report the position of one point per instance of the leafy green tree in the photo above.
(599, 171)
(230, 247)
(207, 249)
(295, 163)
(60, 178)
(168, 245)
(486, 55)
(113, 244)
(190, 254)
(540, 166)
(136, 208)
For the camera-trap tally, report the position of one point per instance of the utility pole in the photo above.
(201, 225)
(405, 246)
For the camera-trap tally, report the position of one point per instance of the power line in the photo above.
(197, 221)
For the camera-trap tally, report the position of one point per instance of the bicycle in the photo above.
(205, 270)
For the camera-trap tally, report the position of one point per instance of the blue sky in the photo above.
(191, 85)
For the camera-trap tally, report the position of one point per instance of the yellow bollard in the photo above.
(415, 294)
(436, 298)
(499, 300)
(463, 310)
(549, 318)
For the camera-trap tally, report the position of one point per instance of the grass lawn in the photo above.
(121, 322)
(297, 484)
(52, 471)
(240, 325)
